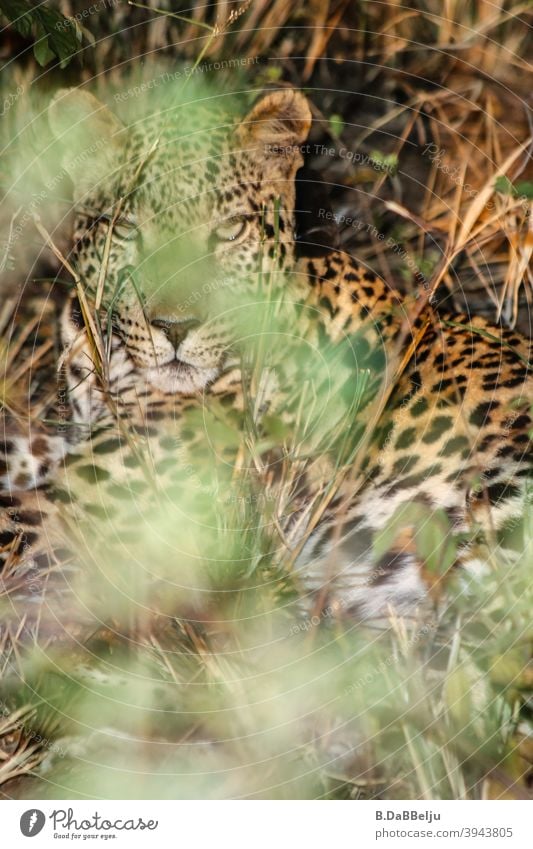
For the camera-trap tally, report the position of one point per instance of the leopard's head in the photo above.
(180, 217)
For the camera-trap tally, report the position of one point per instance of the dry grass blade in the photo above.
(102, 276)
(520, 263)
(18, 756)
(479, 203)
(93, 329)
(323, 29)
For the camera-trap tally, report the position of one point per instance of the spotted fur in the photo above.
(184, 224)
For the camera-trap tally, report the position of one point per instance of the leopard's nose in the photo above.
(175, 330)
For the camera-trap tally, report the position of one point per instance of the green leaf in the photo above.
(336, 125)
(384, 161)
(20, 15)
(504, 186)
(524, 189)
(41, 49)
(62, 36)
(273, 73)
(55, 36)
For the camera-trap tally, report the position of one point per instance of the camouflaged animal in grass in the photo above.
(201, 357)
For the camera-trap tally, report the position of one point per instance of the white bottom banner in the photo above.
(268, 824)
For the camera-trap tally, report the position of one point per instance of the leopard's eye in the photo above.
(231, 229)
(123, 228)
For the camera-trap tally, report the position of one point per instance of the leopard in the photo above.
(184, 240)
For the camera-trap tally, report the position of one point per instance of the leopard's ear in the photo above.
(279, 123)
(89, 136)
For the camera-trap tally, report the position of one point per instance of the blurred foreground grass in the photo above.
(253, 702)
